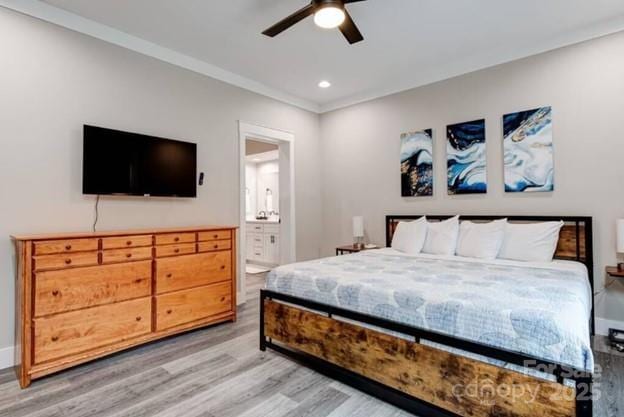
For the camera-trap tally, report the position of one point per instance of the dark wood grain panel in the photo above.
(433, 375)
(569, 247)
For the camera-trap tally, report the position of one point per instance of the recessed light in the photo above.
(329, 17)
(324, 84)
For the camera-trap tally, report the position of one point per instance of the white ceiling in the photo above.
(407, 42)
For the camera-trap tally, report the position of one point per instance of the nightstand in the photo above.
(341, 250)
(616, 336)
(614, 272)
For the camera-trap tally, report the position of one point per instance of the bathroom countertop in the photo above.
(269, 221)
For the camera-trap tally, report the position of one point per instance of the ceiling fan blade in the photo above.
(350, 30)
(291, 20)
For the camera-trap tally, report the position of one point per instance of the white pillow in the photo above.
(530, 241)
(442, 237)
(409, 237)
(480, 240)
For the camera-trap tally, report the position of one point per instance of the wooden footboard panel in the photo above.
(455, 383)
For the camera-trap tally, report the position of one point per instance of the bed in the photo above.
(440, 335)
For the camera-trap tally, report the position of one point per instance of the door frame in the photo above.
(281, 138)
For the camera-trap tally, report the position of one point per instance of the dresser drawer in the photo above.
(126, 241)
(272, 228)
(67, 260)
(214, 245)
(171, 238)
(214, 235)
(173, 250)
(80, 331)
(257, 239)
(255, 228)
(182, 272)
(76, 288)
(126, 255)
(192, 305)
(65, 246)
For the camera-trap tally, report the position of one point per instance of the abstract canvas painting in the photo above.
(417, 163)
(465, 158)
(528, 150)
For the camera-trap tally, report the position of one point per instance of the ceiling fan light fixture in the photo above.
(329, 17)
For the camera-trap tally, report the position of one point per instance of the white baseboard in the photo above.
(603, 325)
(7, 358)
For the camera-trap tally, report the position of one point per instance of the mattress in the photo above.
(539, 309)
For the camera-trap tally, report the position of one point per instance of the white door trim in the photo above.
(252, 131)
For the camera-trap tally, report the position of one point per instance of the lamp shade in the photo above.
(358, 226)
(620, 235)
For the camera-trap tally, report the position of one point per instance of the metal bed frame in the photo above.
(583, 380)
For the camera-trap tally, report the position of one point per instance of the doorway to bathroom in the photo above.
(267, 225)
(262, 220)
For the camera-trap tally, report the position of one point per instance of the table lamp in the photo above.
(620, 241)
(358, 231)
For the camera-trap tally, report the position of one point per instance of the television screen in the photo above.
(116, 162)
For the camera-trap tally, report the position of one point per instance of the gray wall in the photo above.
(584, 84)
(53, 80)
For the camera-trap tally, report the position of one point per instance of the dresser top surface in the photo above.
(125, 232)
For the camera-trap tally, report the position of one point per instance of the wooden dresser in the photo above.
(85, 295)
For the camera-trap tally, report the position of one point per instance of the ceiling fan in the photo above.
(328, 14)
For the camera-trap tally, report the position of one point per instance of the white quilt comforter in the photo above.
(540, 309)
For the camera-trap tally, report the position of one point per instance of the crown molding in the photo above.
(72, 21)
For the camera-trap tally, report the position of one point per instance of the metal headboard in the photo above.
(575, 240)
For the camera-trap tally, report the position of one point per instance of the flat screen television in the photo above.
(123, 163)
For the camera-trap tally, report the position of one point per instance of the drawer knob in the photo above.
(55, 293)
(128, 255)
(129, 243)
(216, 246)
(215, 236)
(68, 261)
(169, 311)
(176, 250)
(222, 266)
(55, 338)
(138, 318)
(68, 247)
(176, 239)
(222, 299)
(169, 275)
(138, 280)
